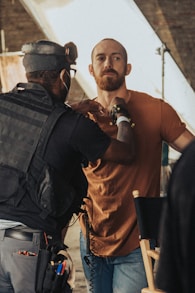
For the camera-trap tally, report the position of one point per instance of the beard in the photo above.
(110, 83)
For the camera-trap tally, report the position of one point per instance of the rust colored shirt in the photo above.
(110, 205)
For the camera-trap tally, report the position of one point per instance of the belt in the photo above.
(19, 235)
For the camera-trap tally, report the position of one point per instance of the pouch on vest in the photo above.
(55, 270)
(54, 195)
(10, 185)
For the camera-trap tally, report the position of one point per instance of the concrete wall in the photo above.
(174, 23)
(20, 28)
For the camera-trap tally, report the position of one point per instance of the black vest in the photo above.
(27, 118)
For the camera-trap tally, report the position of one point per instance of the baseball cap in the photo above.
(47, 55)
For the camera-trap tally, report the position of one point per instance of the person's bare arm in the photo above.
(122, 149)
(182, 141)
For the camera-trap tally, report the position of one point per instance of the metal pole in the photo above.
(161, 51)
(163, 72)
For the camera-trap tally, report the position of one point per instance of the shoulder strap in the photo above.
(48, 128)
(40, 175)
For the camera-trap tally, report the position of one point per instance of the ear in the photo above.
(128, 70)
(90, 67)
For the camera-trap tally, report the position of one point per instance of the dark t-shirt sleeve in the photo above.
(89, 139)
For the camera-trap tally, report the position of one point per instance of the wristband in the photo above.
(124, 118)
(121, 119)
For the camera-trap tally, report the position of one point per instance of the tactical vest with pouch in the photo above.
(26, 123)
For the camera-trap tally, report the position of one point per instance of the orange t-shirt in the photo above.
(110, 208)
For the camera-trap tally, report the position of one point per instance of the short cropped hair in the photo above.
(110, 39)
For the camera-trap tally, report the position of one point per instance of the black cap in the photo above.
(47, 55)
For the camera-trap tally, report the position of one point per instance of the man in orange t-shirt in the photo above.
(115, 262)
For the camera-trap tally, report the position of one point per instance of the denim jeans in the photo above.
(122, 274)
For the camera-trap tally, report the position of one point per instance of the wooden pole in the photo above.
(3, 41)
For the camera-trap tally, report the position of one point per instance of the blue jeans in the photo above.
(122, 274)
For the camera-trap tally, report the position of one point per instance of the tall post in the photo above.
(2, 41)
(165, 149)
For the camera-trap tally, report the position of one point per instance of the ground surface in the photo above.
(72, 241)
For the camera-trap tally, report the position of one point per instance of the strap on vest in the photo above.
(48, 128)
